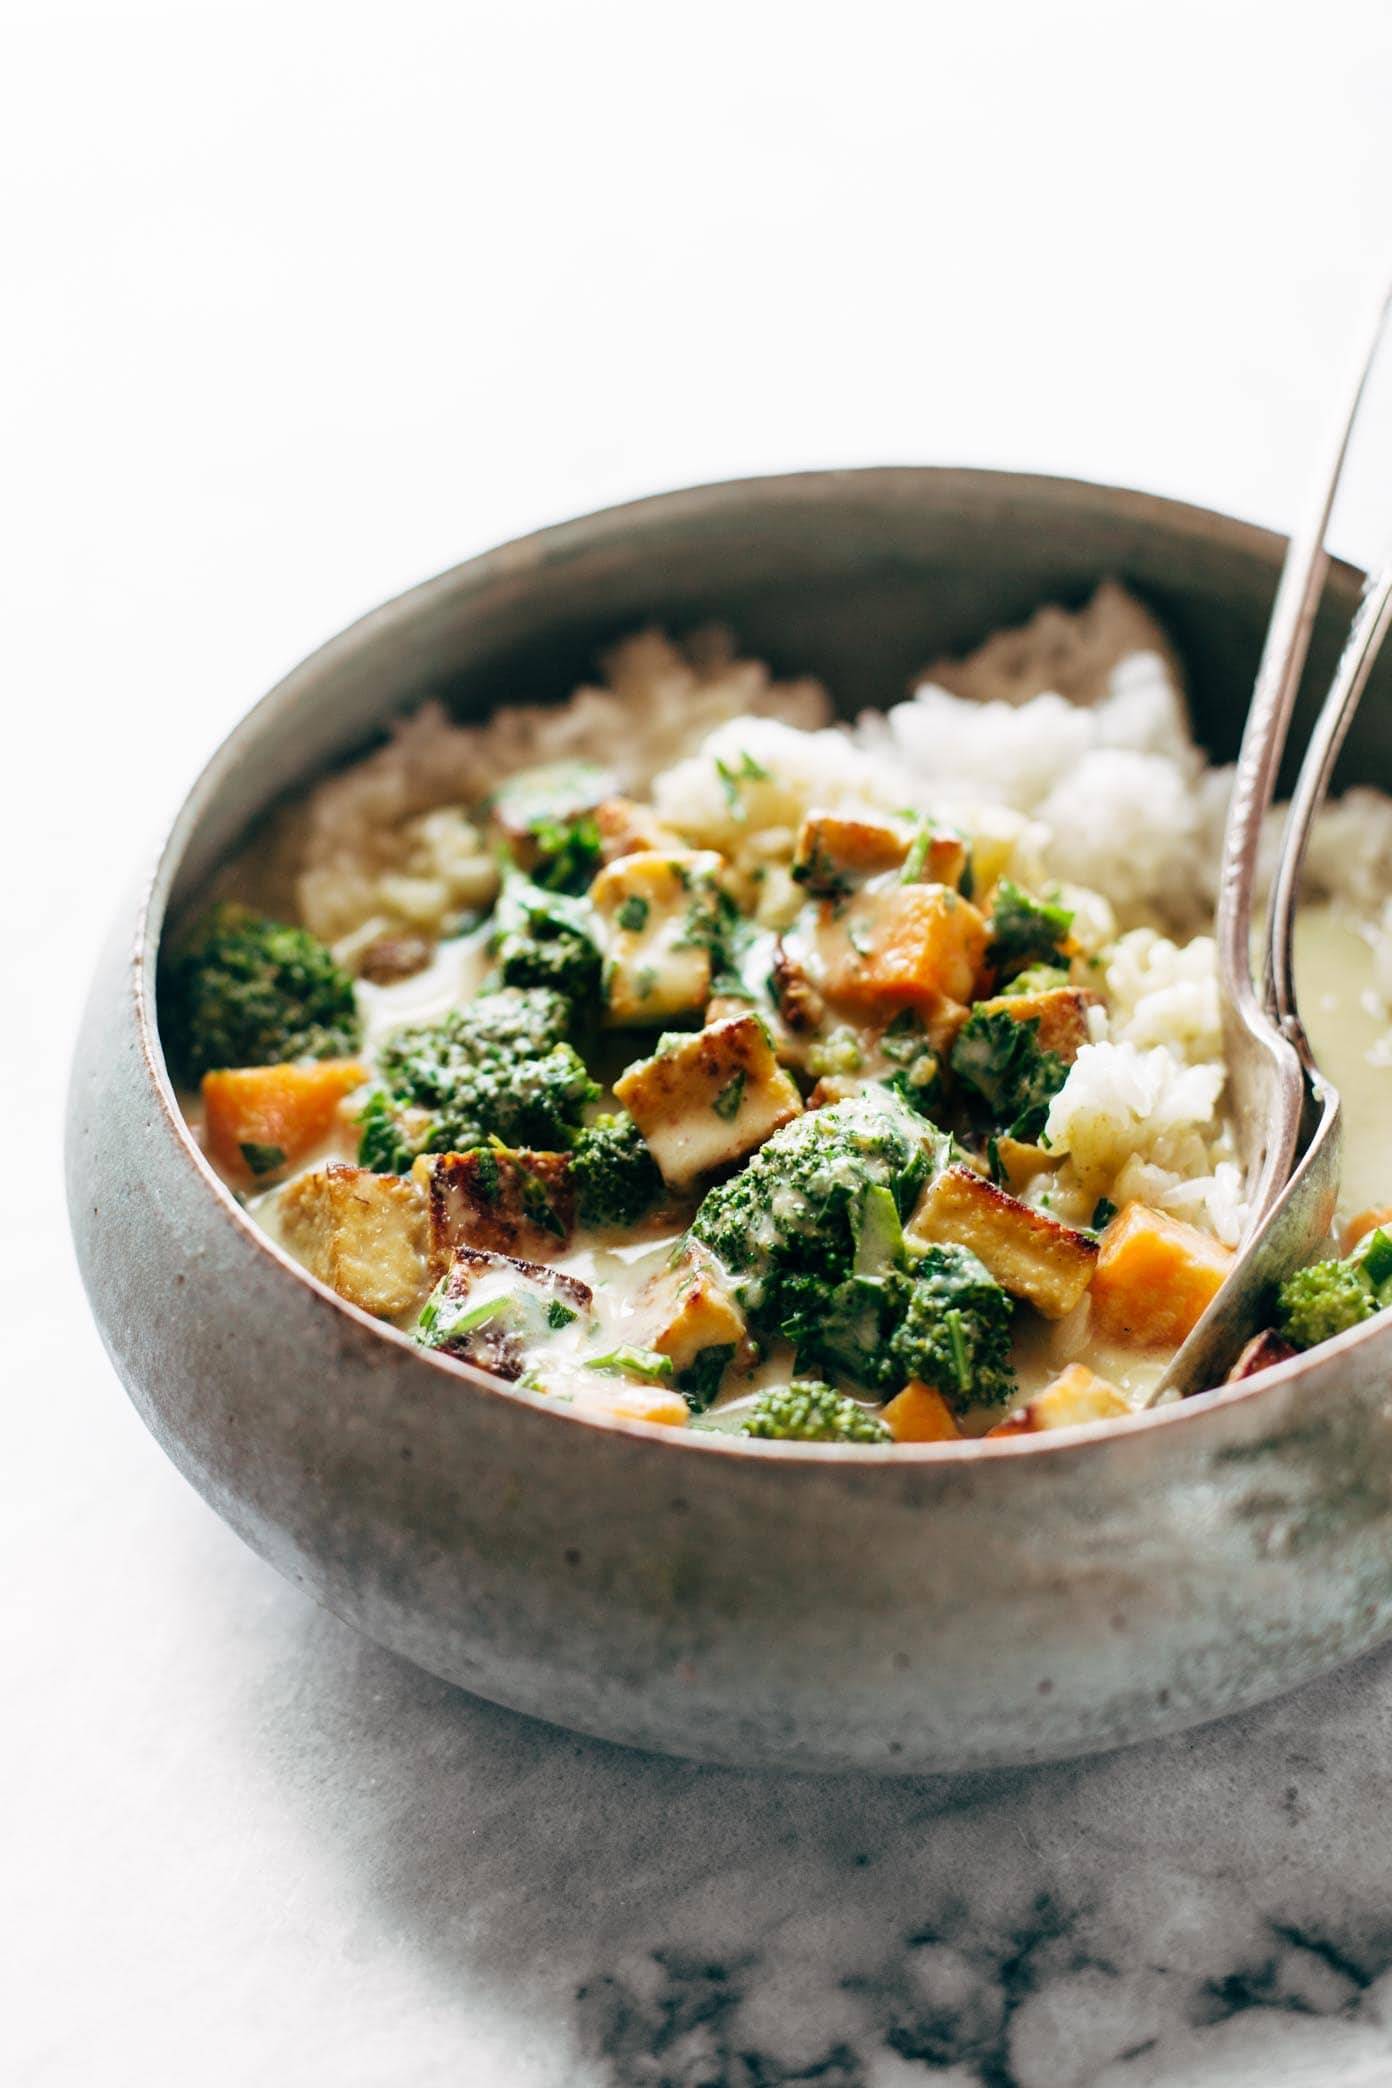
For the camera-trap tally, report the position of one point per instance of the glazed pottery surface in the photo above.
(924, 1608)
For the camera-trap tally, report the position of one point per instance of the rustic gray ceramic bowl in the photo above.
(927, 1608)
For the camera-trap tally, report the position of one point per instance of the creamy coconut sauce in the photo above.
(1348, 1027)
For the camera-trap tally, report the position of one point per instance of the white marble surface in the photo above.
(306, 301)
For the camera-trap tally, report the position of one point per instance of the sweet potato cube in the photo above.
(920, 1414)
(618, 1400)
(1028, 1252)
(1155, 1276)
(1076, 1395)
(709, 1098)
(363, 1234)
(508, 1202)
(1365, 1222)
(1060, 1011)
(907, 946)
(259, 1119)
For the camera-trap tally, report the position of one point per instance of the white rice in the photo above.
(361, 830)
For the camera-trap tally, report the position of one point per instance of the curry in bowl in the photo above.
(681, 1056)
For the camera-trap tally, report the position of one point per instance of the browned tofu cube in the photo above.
(709, 1098)
(627, 827)
(364, 1234)
(510, 1202)
(1022, 1162)
(1060, 1011)
(1076, 1395)
(1029, 1253)
(800, 1006)
(494, 1310)
(836, 851)
(686, 1309)
(1261, 1352)
(650, 902)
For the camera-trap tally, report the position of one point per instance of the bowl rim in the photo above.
(551, 543)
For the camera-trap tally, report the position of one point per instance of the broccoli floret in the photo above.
(513, 1023)
(1317, 1303)
(796, 1209)
(917, 1077)
(615, 1176)
(955, 1331)
(808, 1411)
(242, 990)
(493, 1069)
(1035, 978)
(1025, 930)
(846, 1327)
(544, 938)
(1006, 1073)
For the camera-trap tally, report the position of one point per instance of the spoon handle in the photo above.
(1269, 1102)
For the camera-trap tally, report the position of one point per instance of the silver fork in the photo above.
(1283, 1105)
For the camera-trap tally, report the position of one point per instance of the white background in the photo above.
(303, 302)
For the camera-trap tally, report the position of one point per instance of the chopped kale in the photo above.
(1025, 930)
(1008, 1077)
(700, 1381)
(568, 853)
(917, 1077)
(545, 938)
(955, 1331)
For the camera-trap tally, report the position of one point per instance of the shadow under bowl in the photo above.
(926, 1608)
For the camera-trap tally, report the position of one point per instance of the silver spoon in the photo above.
(1282, 1104)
